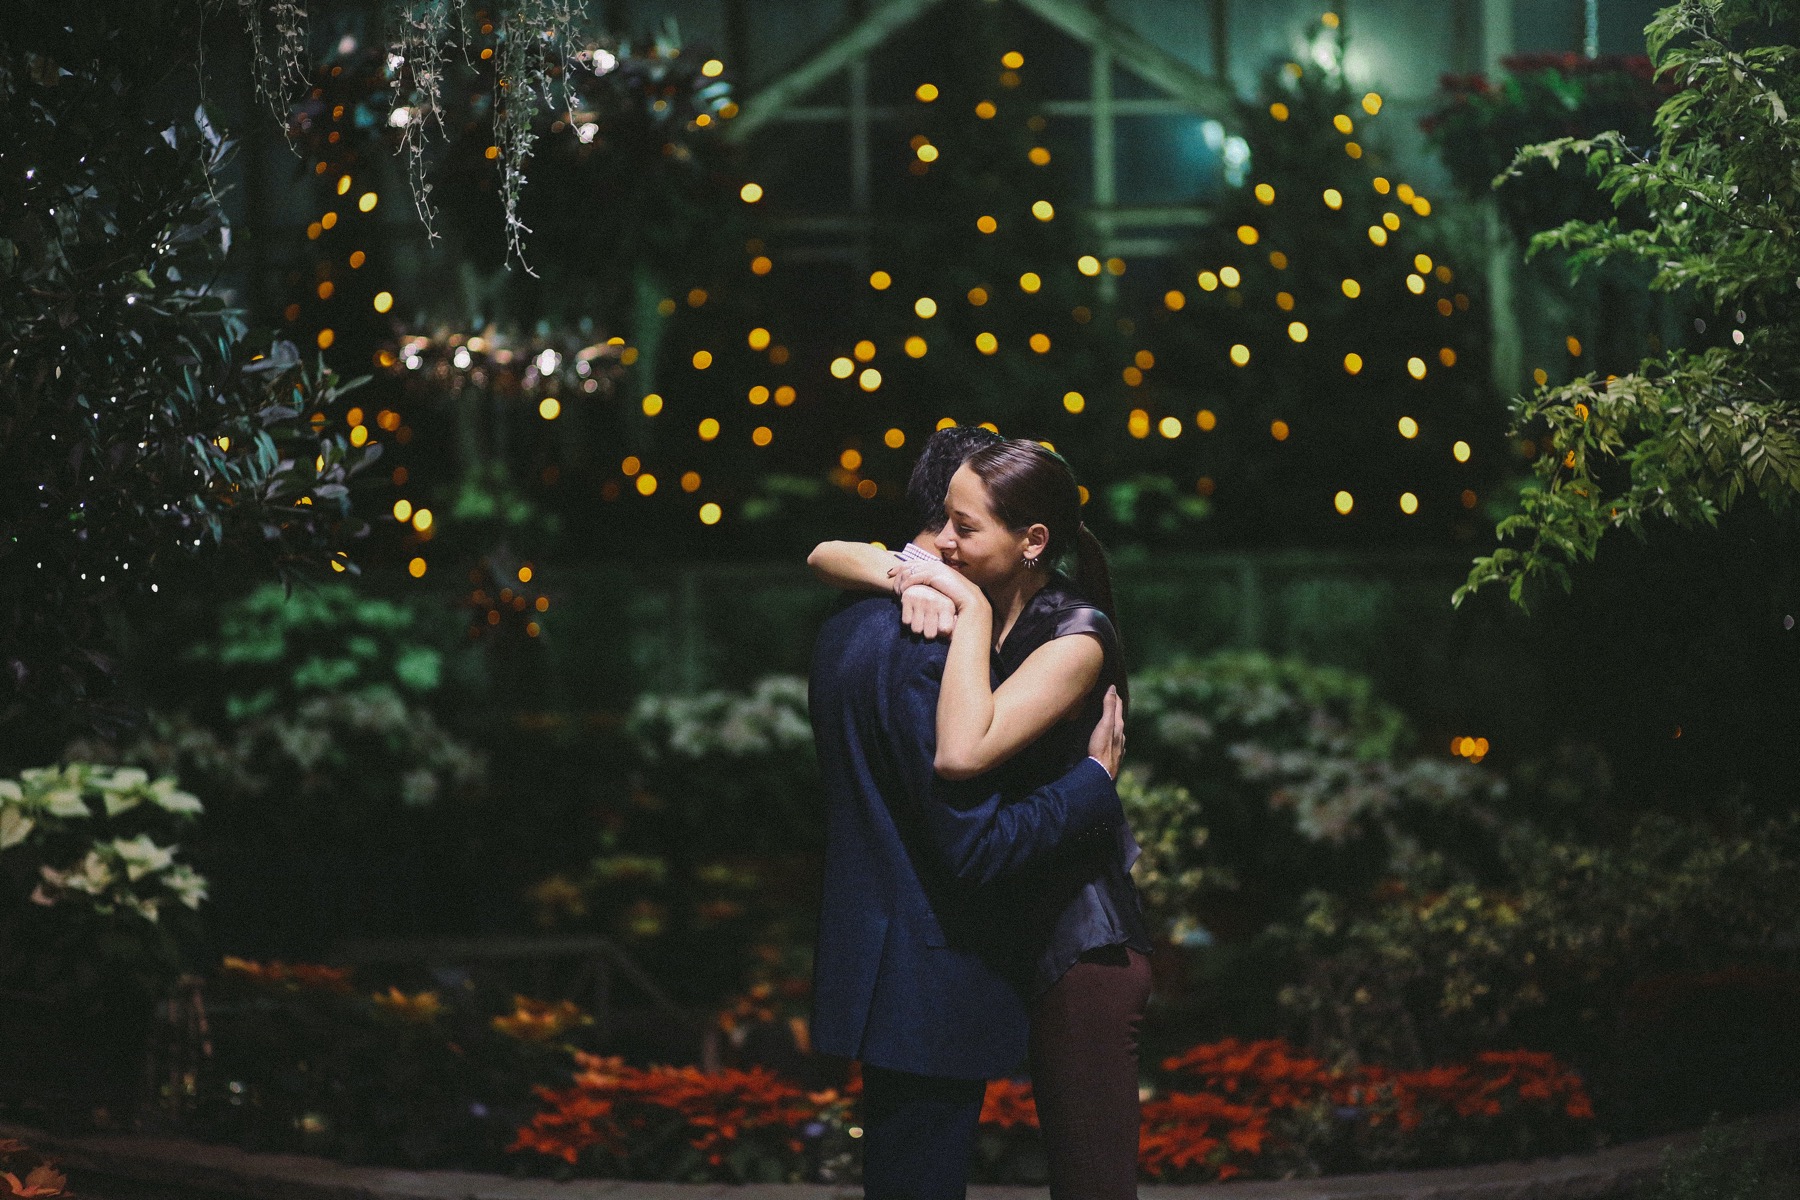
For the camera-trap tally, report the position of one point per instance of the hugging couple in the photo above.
(978, 910)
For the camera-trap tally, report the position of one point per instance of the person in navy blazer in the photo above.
(916, 976)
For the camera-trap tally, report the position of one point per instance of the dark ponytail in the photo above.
(1093, 574)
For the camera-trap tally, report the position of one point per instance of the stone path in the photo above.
(146, 1168)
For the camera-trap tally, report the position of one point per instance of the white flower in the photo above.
(64, 802)
(142, 856)
(189, 887)
(10, 792)
(166, 796)
(15, 827)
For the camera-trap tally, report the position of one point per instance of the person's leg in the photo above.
(1084, 1074)
(918, 1134)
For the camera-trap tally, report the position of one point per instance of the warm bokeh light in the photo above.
(1043, 210)
(1229, 276)
(421, 519)
(549, 408)
(403, 511)
(383, 301)
(653, 404)
(784, 396)
(630, 465)
(1012, 60)
(762, 435)
(850, 460)
(1378, 235)
(646, 484)
(1334, 199)
(986, 223)
(710, 514)
(985, 110)
(325, 338)
(1343, 502)
(1352, 289)
(894, 439)
(1087, 264)
(869, 380)
(1343, 124)
(881, 281)
(916, 346)
(1279, 430)
(986, 342)
(1240, 355)
(1415, 367)
(925, 308)
(1174, 300)
(1169, 427)
(1074, 402)
(1460, 451)
(702, 359)
(1372, 103)
(1030, 283)
(1138, 423)
(842, 368)
(367, 202)
(1207, 281)
(1574, 346)
(759, 394)
(1409, 503)
(1040, 343)
(1409, 428)
(1279, 111)
(1039, 156)
(1247, 234)
(416, 568)
(1207, 420)
(709, 429)
(690, 481)
(1297, 330)
(758, 338)
(926, 92)
(1415, 284)
(1265, 193)
(750, 193)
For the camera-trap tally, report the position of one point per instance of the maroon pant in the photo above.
(1084, 1074)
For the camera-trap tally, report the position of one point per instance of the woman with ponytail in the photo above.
(1014, 514)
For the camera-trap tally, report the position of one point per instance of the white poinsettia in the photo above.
(15, 827)
(142, 856)
(92, 876)
(11, 792)
(166, 795)
(189, 887)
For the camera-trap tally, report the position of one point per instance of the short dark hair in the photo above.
(944, 452)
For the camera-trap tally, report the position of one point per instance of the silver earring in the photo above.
(1030, 563)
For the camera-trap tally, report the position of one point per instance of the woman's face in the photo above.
(975, 541)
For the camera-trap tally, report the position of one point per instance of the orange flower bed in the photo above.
(288, 975)
(1236, 1109)
(612, 1108)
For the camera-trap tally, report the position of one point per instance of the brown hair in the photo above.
(1030, 484)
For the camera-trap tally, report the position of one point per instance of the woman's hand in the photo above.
(945, 579)
(927, 611)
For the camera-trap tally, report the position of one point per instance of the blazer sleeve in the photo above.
(980, 834)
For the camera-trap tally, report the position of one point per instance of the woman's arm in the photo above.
(856, 566)
(862, 567)
(979, 728)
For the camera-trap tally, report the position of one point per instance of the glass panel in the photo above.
(805, 166)
(1168, 160)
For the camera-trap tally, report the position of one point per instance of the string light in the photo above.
(925, 308)
(926, 92)
(1409, 503)
(1074, 402)
(1409, 428)
(1343, 502)
(710, 514)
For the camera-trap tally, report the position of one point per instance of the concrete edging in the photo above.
(195, 1167)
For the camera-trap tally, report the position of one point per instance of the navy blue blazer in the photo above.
(922, 965)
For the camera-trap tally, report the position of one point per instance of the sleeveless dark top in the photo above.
(1083, 899)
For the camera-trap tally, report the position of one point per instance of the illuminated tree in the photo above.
(1317, 368)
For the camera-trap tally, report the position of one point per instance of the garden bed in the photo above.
(151, 1167)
